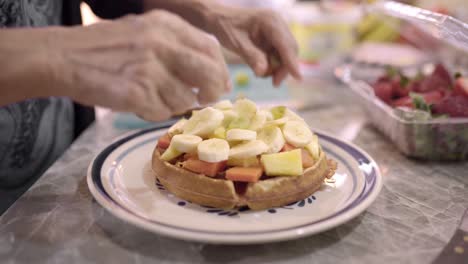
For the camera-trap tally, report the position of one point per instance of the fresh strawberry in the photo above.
(384, 91)
(429, 97)
(461, 87)
(453, 105)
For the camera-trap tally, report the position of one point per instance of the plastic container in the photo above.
(414, 133)
(441, 38)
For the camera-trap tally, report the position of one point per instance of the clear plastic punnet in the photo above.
(437, 42)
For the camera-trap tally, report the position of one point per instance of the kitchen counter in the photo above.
(421, 203)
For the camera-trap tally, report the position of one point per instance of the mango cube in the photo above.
(287, 163)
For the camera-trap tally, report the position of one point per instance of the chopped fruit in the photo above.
(186, 143)
(164, 141)
(297, 133)
(384, 91)
(242, 174)
(273, 137)
(229, 116)
(314, 147)
(429, 97)
(288, 147)
(287, 163)
(207, 168)
(248, 149)
(307, 159)
(177, 128)
(242, 79)
(223, 105)
(461, 87)
(204, 122)
(170, 153)
(213, 150)
(244, 162)
(220, 133)
(454, 106)
(238, 134)
(278, 112)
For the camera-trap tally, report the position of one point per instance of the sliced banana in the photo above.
(268, 114)
(314, 147)
(229, 116)
(273, 137)
(223, 105)
(258, 121)
(204, 122)
(185, 143)
(248, 149)
(170, 153)
(277, 122)
(213, 150)
(245, 106)
(297, 133)
(237, 134)
(177, 128)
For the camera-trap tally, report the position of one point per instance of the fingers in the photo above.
(196, 70)
(178, 96)
(285, 45)
(254, 57)
(279, 75)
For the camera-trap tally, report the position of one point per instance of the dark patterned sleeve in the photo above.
(110, 9)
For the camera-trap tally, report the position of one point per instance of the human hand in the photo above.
(260, 37)
(143, 64)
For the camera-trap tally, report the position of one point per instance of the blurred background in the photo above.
(329, 33)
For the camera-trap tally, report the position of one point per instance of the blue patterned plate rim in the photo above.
(372, 181)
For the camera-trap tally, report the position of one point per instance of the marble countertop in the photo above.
(421, 203)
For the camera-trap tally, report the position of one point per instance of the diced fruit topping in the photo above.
(229, 116)
(164, 141)
(273, 137)
(213, 150)
(278, 112)
(307, 159)
(204, 122)
(258, 121)
(186, 143)
(210, 169)
(177, 128)
(248, 149)
(237, 134)
(223, 105)
(297, 133)
(220, 133)
(170, 153)
(314, 147)
(244, 162)
(242, 174)
(287, 163)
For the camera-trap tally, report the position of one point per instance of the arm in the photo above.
(24, 72)
(118, 64)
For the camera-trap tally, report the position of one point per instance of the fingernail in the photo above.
(260, 68)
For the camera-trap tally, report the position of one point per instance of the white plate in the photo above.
(121, 180)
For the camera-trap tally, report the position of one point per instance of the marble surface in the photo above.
(57, 220)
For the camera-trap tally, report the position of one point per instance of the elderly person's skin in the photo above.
(145, 64)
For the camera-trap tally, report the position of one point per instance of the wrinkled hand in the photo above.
(260, 37)
(143, 64)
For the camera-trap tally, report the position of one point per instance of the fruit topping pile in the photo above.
(439, 93)
(241, 142)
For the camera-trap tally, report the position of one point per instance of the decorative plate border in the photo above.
(366, 164)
